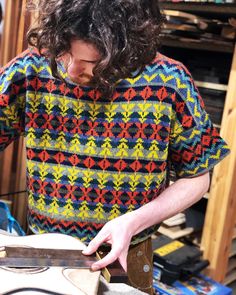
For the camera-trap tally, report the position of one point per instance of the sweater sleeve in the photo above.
(12, 100)
(195, 144)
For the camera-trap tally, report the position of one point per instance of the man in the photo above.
(104, 115)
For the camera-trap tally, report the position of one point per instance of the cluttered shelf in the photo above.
(202, 7)
(193, 31)
(202, 35)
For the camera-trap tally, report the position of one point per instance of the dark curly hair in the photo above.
(126, 33)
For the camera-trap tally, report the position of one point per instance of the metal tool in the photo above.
(40, 257)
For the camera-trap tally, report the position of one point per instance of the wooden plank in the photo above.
(8, 51)
(175, 232)
(29, 15)
(231, 264)
(6, 33)
(231, 277)
(232, 251)
(234, 233)
(10, 30)
(22, 28)
(209, 85)
(220, 215)
(226, 47)
(196, 7)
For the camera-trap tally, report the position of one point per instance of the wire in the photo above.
(14, 291)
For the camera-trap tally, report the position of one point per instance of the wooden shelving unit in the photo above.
(223, 10)
(219, 228)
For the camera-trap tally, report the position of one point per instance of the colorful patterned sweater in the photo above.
(90, 159)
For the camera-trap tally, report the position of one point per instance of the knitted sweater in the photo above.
(91, 159)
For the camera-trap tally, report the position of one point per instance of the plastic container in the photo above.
(8, 223)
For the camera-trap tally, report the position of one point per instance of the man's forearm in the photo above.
(119, 231)
(176, 198)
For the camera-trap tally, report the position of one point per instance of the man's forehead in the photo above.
(84, 50)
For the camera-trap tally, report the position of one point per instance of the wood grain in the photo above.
(220, 215)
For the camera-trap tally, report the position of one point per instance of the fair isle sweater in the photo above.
(90, 158)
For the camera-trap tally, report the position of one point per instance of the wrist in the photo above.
(132, 220)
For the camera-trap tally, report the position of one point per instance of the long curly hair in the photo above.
(125, 32)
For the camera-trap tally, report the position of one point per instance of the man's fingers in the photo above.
(94, 244)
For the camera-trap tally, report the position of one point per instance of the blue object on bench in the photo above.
(8, 222)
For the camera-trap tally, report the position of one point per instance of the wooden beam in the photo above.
(10, 30)
(220, 215)
(21, 44)
(8, 51)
